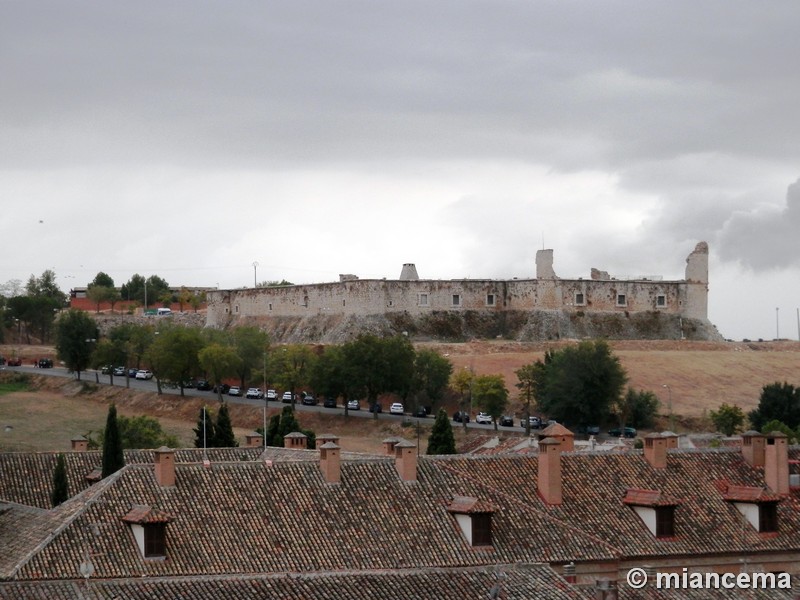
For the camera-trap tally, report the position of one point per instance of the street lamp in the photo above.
(671, 416)
(255, 273)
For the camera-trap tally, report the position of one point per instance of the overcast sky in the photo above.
(190, 139)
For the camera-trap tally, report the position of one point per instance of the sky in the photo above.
(191, 139)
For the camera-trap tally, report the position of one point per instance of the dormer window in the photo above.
(757, 505)
(149, 528)
(656, 511)
(474, 518)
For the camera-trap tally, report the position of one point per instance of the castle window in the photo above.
(270, 305)
(305, 301)
(661, 301)
(456, 299)
(236, 308)
(580, 299)
(422, 299)
(390, 303)
(490, 300)
(622, 300)
(343, 302)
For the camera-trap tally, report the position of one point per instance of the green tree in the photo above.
(219, 362)
(204, 434)
(144, 432)
(223, 430)
(637, 408)
(579, 384)
(60, 491)
(158, 290)
(293, 366)
(113, 456)
(174, 355)
(491, 395)
(109, 352)
(102, 280)
(76, 335)
(46, 286)
(526, 380)
(727, 419)
(196, 300)
(792, 435)
(328, 374)
(134, 289)
(250, 344)
(461, 381)
(778, 402)
(431, 375)
(273, 431)
(441, 439)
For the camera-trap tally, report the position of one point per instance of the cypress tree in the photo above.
(223, 432)
(113, 457)
(441, 440)
(60, 491)
(210, 437)
(274, 438)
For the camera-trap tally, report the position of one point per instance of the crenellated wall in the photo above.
(419, 298)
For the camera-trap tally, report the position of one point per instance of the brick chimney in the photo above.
(295, 440)
(672, 439)
(560, 433)
(405, 460)
(79, 444)
(549, 480)
(165, 466)
(776, 463)
(655, 450)
(330, 462)
(389, 444)
(324, 438)
(254, 440)
(753, 444)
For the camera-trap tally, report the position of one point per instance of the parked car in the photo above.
(483, 418)
(421, 412)
(287, 397)
(106, 369)
(589, 429)
(329, 403)
(396, 408)
(309, 400)
(254, 393)
(15, 361)
(144, 374)
(376, 408)
(507, 421)
(222, 388)
(203, 385)
(461, 417)
(272, 395)
(353, 405)
(535, 422)
(234, 391)
(47, 363)
(132, 372)
(629, 432)
(118, 371)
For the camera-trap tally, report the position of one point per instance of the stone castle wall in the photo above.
(416, 300)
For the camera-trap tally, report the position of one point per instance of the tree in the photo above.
(102, 280)
(109, 352)
(282, 424)
(579, 384)
(250, 344)
(218, 361)
(134, 289)
(775, 425)
(328, 374)
(273, 431)
(223, 431)
(461, 381)
(293, 364)
(727, 419)
(76, 336)
(431, 374)
(779, 402)
(60, 491)
(637, 408)
(113, 457)
(204, 434)
(174, 355)
(197, 299)
(490, 392)
(46, 286)
(441, 439)
(144, 432)
(526, 376)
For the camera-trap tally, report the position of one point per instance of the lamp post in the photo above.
(671, 417)
(255, 273)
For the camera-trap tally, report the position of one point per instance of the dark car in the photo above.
(15, 362)
(132, 373)
(629, 432)
(221, 389)
(421, 412)
(376, 408)
(45, 363)
(329, 403)
(203, 385)
(507, 421)
(590, 429)
(309, 400)
(461, 417)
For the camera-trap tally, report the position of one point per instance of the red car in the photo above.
(15, 362)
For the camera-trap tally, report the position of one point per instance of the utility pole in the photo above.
(255, 273)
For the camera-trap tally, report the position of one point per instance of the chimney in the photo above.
(295, 440)
(560, 433)
(405, 460)
(776, 463)
(165, 466)
(79, 444)
(569, 573)
(254, 440)
(330, 462)
(605, 589)
(324, 438)
(672, 439)
(389, 444)
(549, 480)
(753, 444)
(655, 450)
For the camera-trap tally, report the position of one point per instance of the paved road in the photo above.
(150, 385)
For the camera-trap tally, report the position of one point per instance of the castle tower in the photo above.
(544, 265)
(409, 272)
(697, 283)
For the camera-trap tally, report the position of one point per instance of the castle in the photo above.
(547, 307)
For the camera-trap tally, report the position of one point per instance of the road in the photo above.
(94, 376)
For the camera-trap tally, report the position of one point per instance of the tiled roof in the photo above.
(515, 582)
(639, 497)
(744, 493)
(142, 515)
(467, 505)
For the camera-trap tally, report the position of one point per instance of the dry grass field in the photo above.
(700, 375)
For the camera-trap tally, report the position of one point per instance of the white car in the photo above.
(272, 395)
(144, 374)
(353, 405)
(396, 408)
(254, 393)
(234, 391)
(484, 418)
